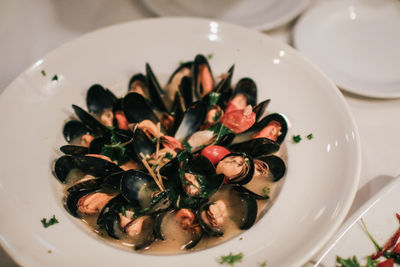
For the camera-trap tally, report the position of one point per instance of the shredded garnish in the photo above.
(310, 136)
(55, 78)
(151, 172)
(43, 72)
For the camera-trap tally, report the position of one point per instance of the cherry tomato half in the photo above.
(386, 263)
(239, 120)
(215, 153)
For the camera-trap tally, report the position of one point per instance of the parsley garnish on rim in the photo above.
(310, 136)
(296, 139)
(210, 56)
(43, 72)
(55, 78)
(51, 221)
(231, 259)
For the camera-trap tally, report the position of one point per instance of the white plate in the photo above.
(356, 43)
(379, 215)
(257, 14)
(322, 175)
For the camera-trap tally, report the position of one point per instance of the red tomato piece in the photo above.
(386, 263)
(121, 120)
(239, 120)
(397, 249)
(215, 153)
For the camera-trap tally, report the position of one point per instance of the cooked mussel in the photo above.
(237, 168)
(75, 132)
(203, 80)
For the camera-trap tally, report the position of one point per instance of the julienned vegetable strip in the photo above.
(390, 244)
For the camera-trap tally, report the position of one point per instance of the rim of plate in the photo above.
(301, 5)
(345, 81)
(356, 171)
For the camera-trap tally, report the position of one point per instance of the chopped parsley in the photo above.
(217, 115)
(210, 56)
(266, 190)
(296, 139)
(55, 78)
(43, 72)
(220, 130)
(213, 98)
(263, 264)
(231, 259)
(310, 136)
(168, 156)
(353, 262)
(241, 238)
(116, 150)
(51, 221)
(123, 210)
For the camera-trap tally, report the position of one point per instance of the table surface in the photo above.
(32, 28)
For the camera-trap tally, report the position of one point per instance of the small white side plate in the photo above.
(356, 43)
(257, 14)
(379, 215)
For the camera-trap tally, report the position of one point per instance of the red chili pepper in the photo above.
(386, 263)
(239, 120)
(214, 153)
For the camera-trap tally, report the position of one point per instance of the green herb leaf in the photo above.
(181, 62)
(350, 262)
(51, 221)
(220, 130)
(213, 98)
(377, 247)
(310, 136)
(123, 210)
(55, 78)
(43, 72)
(210, 56)
(217, 115)
(371, 263)
(296, 139)
(263, 264)
(168, 156)
(231, 259)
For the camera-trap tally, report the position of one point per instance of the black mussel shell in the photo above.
(192, 120)
(138, 188)
(273, 117)
(96, 166)
(109, 216)
(63, 166)
(141, 144)
(224, 88)
(200, 164)
(74, 129)
(161, 202)
(248, 165)
(71, 201)
(244, 190)
(167, 218)
(86, 184)
(199, 91)
(74, 150)
(99, 99)
(205, 224)
(91, 122)
(147, 235)
(248, 88)
(137, 109)
(260, 108)
(251, 216)
(185, 89)
(276, 166)
(175, 81)
(256, 147)
(155, 91)
(138, 80)
(96, 146)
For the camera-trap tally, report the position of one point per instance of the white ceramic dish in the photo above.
(379, 215)
(321, 180)
(356, 43)
(257, 14)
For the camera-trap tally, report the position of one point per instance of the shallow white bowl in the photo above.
(322, 174)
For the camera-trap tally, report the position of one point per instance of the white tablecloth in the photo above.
(29, 29)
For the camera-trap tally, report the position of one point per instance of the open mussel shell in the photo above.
(141, 144)
(161, 201)
(86, 184)
(224, 88)
(260, 108)
(247, 88)
(245, 190)
(138, 188)
(74, 150)
(192, 120)
(175, 81)
(203, 79)
(168, 227)
(237, 168)
(205, 222)
(74, 129)
(275, 166)
(256, 147)
(96, 127)
(156, 93)
(138, 84)
(72, 199)
(62, 167)
(185, 90)
(274, 117)
(109, 216)
(136, 109)
(99, 99)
